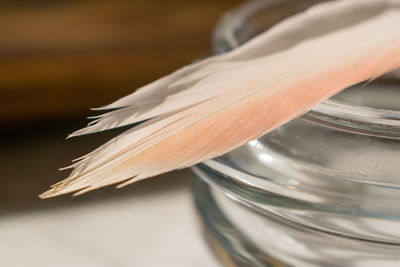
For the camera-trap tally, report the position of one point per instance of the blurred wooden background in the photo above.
(58, 58)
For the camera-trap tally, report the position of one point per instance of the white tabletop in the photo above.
(150, 229)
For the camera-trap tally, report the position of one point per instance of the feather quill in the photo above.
(213, 106)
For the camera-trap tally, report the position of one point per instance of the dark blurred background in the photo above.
(59, 58)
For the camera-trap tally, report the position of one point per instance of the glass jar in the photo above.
(322, 190)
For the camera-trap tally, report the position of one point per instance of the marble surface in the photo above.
(144, 229)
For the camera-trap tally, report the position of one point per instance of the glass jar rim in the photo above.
(332, 113)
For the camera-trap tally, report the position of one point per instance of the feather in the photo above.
(213, 106)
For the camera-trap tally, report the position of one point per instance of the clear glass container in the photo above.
(322, 190)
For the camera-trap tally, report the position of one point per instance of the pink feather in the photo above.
(212, 107)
